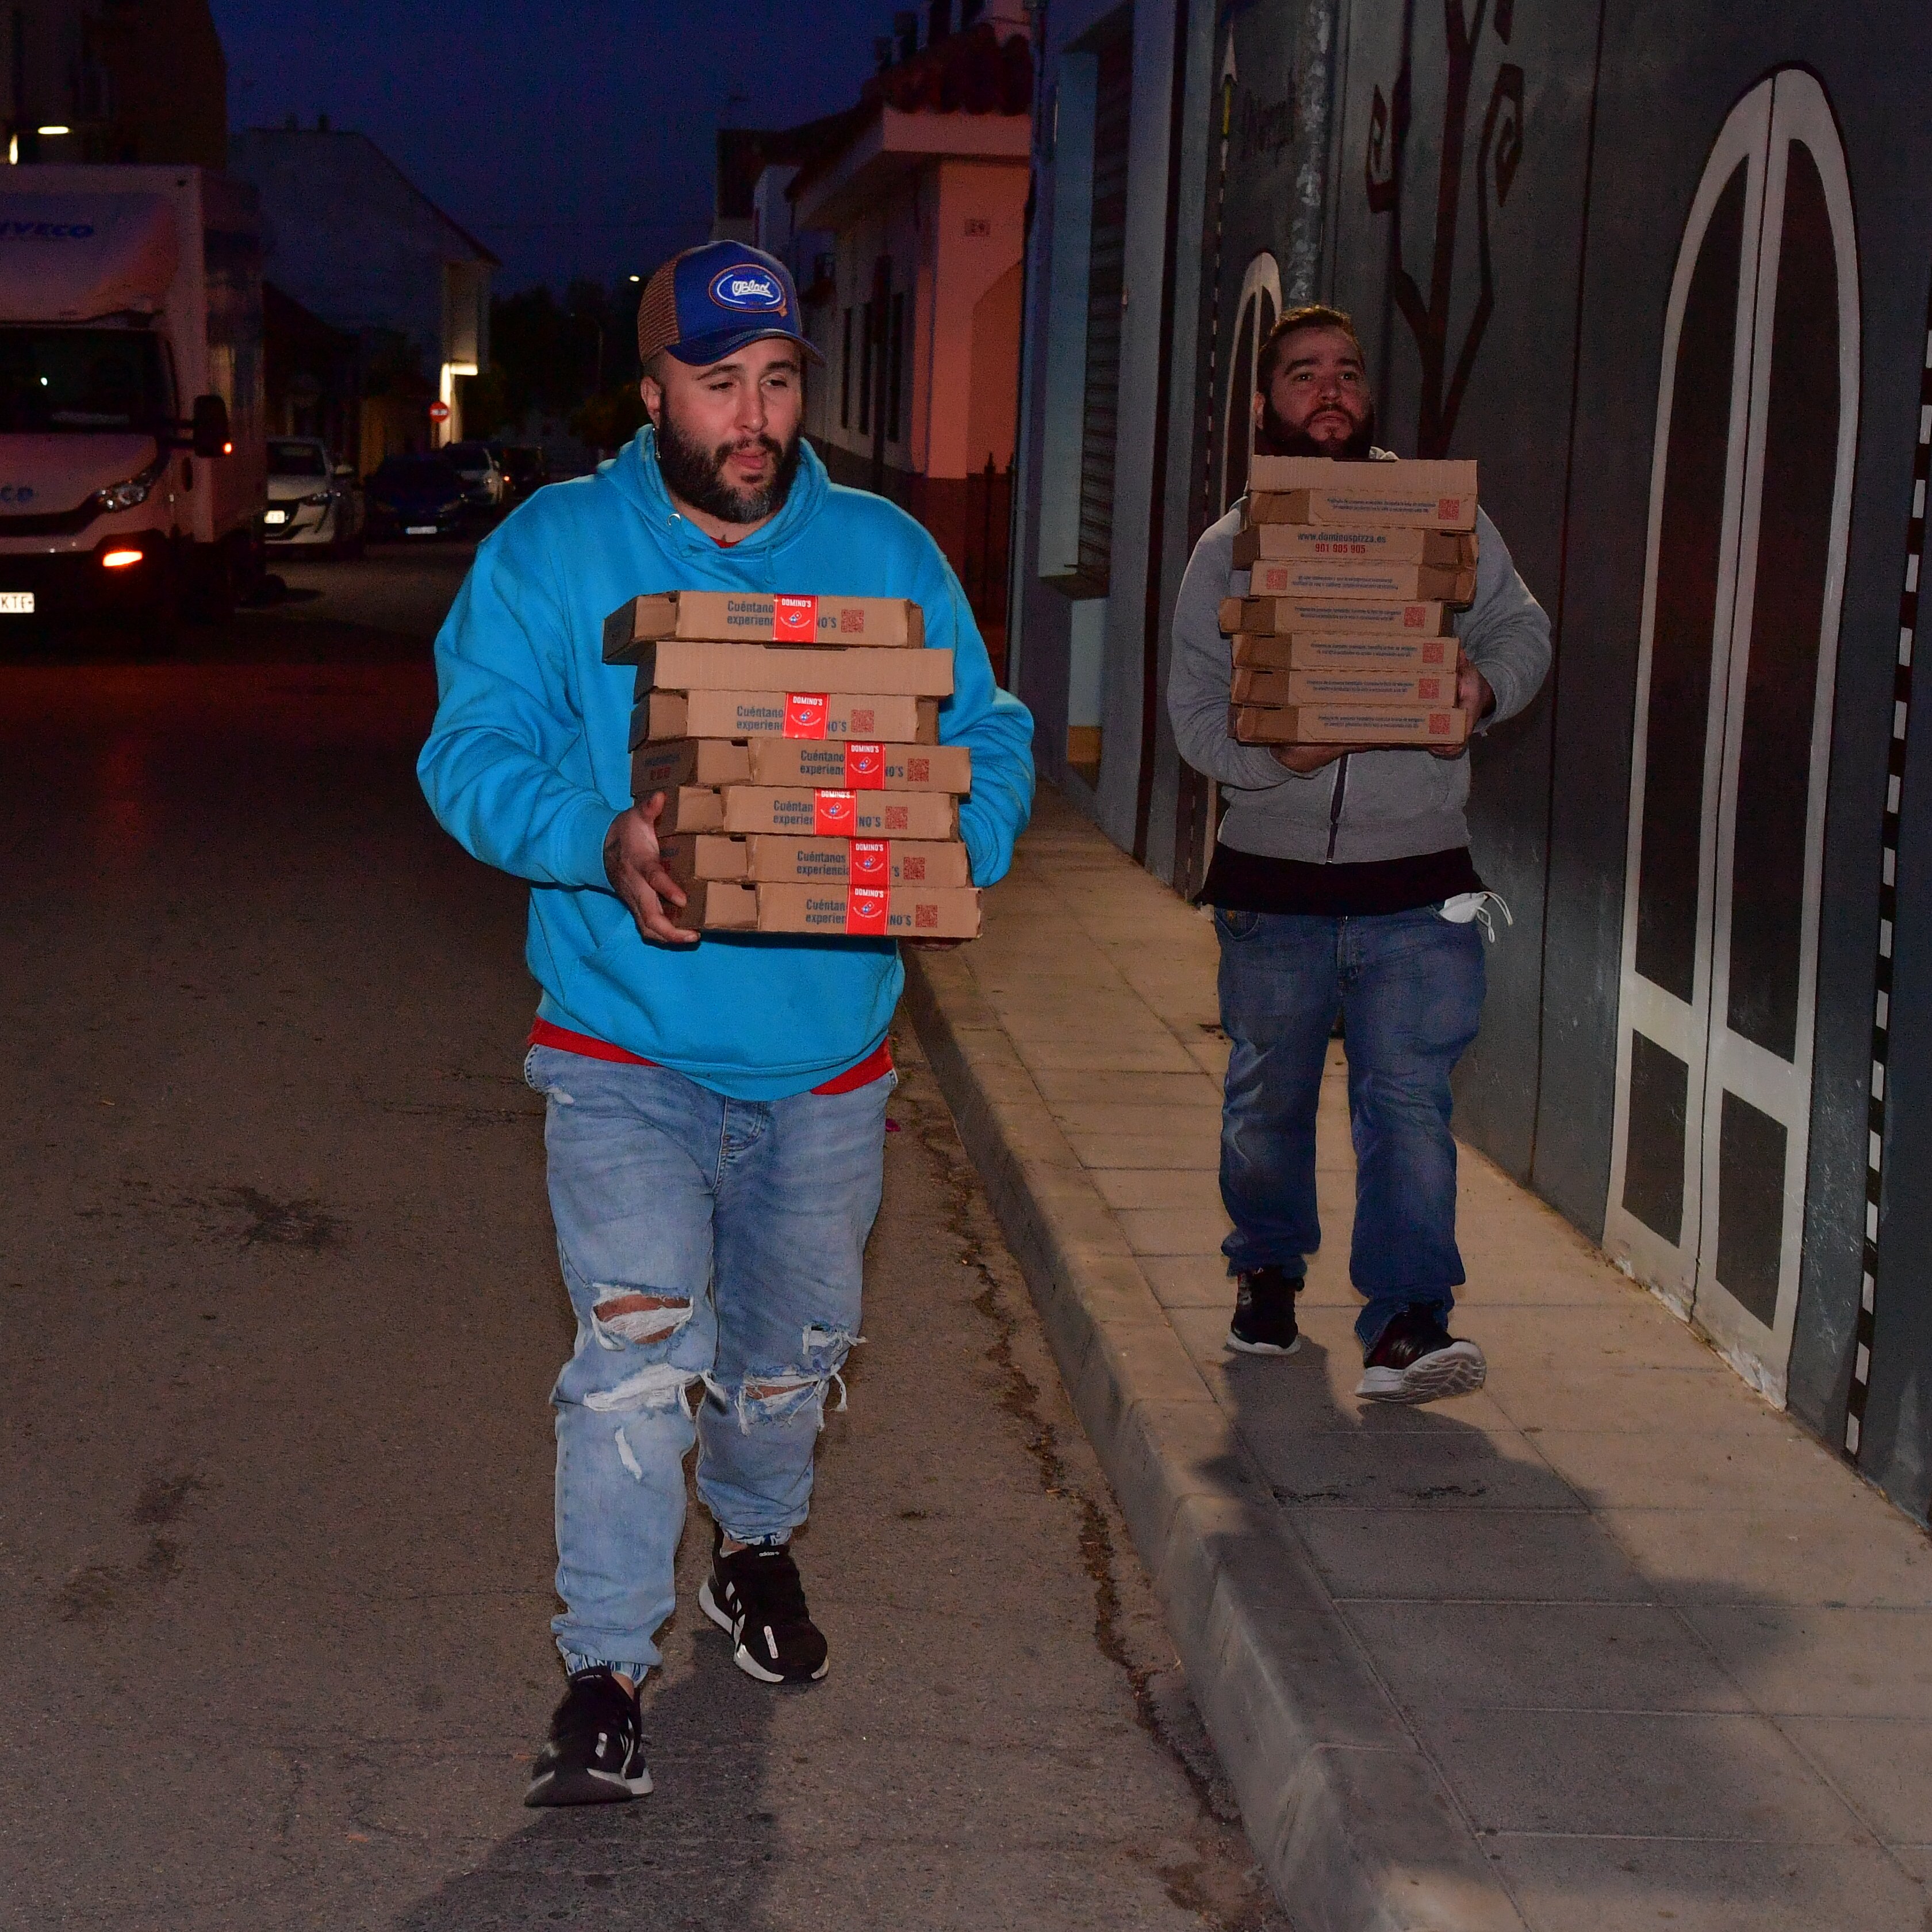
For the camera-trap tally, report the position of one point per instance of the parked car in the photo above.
(313, 500)
(482, 475)
(525, 470)
(418, 496)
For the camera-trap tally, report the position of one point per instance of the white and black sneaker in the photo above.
(1264, 1323)
(755, 1593)
(1416, 1359)
(596, 1752)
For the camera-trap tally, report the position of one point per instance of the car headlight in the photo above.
(125, 495)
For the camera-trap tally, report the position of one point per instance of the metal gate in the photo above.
(1751, 497)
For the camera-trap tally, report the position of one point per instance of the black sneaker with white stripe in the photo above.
(756, 1595)
(596, 1752)
(1264, 1323)
(1416, 1359)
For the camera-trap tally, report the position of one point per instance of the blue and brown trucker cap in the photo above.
(707, 303)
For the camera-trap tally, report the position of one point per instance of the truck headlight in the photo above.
(124, 495)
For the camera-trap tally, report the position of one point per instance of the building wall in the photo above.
(146, 83)
(1505, 218)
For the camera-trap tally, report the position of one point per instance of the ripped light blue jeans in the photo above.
(713, 1250)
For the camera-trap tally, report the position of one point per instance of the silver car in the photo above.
(312, 501)
(482, 473)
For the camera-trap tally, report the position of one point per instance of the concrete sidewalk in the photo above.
(1611, 1645)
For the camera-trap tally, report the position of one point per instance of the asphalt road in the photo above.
(278, 1313)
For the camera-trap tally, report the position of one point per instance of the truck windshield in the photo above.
(79, 381)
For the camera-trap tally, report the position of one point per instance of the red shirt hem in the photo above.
(875, 1065)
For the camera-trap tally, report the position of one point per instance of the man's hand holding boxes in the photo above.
(1345, 634)
(789, 746)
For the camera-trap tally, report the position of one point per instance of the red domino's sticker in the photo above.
(795, 620)
(806, 712)
(865, 765)
(865, 909)
(870, 863)
(834, 813)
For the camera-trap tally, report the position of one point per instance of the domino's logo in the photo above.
(747, 290)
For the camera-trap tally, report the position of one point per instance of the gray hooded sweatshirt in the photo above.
(1366, 806)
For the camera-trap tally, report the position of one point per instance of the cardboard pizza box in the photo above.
(1397, 616)
(1350, 723)
(834, 813)
(806, 715)
(750, 617)
(1345, 650)
(673, 664)
(769, 860)
(688, 808)
(1373, 543)
(899, 912)
(1434, 495)
(1353, 578)
(1373, 685)
(847, 764)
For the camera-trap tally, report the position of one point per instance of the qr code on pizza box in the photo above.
(924, 915)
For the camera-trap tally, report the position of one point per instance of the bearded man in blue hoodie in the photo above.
(716, 1108)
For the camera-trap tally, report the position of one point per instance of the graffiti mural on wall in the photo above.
(1499, 153)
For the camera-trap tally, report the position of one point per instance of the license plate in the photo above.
(419, 529)
(276, 517)
(16, 603)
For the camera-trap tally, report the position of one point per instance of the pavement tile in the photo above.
(1570, 1884)
(1460, 1469)
(1165, 1189)
(1165, 1090)
(1670, 1401)
(1636, 1774)
(1860, 1553)
(1883, 1765)
(1560, 1343)
(1553, 1657)
(1190, 1281)
(1174, 1231)
(1199, 1151)
(1498, 1555)
(1823, 1662)
(1734, 1463)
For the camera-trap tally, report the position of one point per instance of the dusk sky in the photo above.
(570, 139)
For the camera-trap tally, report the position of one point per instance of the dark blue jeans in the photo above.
(1409, 988)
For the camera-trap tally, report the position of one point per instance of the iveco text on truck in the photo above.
(132, 457)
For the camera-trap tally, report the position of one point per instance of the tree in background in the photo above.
(572, 361)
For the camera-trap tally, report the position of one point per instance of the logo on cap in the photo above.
(748, 289)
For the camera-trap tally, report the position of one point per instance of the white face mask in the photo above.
(1466, 906)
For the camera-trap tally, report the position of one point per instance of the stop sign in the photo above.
(439, 412)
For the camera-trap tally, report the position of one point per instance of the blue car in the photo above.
(417, 496)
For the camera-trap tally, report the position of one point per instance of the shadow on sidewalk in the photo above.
(1604, 1758)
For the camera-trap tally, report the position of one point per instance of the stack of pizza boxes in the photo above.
(1355, 570)
(796, 741)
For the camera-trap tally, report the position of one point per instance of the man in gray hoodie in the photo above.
(1342, 883)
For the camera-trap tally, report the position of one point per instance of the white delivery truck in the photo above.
(132, 462)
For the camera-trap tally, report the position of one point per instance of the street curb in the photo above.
(1352, 1821)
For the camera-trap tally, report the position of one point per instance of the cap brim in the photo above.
(703, 350)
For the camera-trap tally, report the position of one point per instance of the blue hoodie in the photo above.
(528, 760)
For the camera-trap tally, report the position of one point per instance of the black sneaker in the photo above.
(1417, 1360)
(756, 1595)
(595, 1753)
(1264, 1323)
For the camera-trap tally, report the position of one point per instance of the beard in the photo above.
(1273, 437)
(697, 474)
